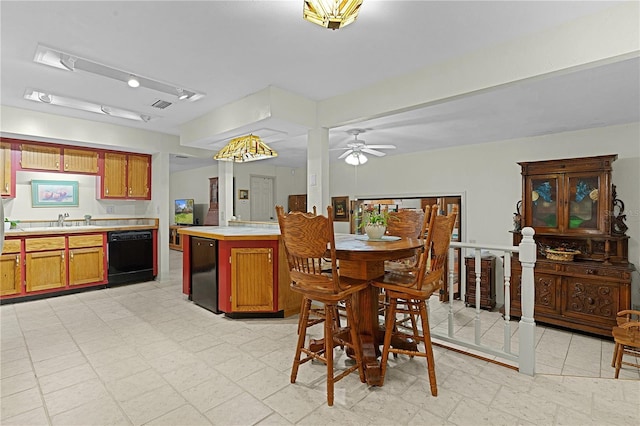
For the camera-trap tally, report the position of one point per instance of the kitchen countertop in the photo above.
(231, 233)
(55, 230)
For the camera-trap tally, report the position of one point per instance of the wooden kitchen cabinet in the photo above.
(40, 157)
(252, 279)
(126, 176)
(86, 259)
(46, 267)
(175, 239)
(573, 206)
(80, 160)
(297, 203)
(7, 183)
(487, 281)
(11, 268)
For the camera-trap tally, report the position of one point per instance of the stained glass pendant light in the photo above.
(332, 14)
(245, 148)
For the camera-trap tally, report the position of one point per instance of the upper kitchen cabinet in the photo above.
(80, 160)
(40, 157)
(125, 176)
(7, 181)
(569, 196)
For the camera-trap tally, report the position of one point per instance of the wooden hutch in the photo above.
(572, 205)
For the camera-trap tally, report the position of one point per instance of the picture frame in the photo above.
(340, 209)
(243, 194)
(54, 193)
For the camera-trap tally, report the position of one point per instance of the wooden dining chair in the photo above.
(415, 289)
(626, 338)
(307, 239)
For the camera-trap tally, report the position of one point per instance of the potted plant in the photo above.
(10, 224)
(374, 222)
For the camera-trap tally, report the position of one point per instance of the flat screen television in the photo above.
(184, 212)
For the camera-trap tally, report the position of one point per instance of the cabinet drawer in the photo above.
(591, 300)
(595, 270)
(11, 246)
(40, 244)
(77, 241)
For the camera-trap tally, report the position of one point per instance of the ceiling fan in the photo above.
(356, 148)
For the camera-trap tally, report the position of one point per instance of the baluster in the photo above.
(507, 302)
(478, 271)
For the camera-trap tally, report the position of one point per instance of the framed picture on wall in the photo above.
(340, 209)
(243, 194)
(54, 193)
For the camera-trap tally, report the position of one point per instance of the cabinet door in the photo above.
(80, 160)
(86, 265)
(251, 279)
(40, 157)
(138, 176)
(45, 270)
(10, 274)
(593, 300)
(6, 172)
(543, 209)
(547, 292)
(586, 214)
(115, 178)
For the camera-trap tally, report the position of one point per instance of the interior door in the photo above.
(261, 199)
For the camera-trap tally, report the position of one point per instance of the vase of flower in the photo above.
(374, 231)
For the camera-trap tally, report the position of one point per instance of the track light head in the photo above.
(133, 81)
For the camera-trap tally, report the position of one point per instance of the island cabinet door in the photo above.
(252, 279)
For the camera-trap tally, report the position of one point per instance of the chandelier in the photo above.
(332, 14)
(245, 148)
(356, 158)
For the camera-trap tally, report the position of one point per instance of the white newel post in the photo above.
(527, 328)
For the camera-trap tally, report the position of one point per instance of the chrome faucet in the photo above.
(61, 219)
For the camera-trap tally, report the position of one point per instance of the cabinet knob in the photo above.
(57, 164)
(17, 260)
(6, 187)
(70, 255)
(590, 300)
(66, 167)
(591, 271)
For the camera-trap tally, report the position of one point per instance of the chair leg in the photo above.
(329, 311)
(615, 354)
(355, 340)
(619, 354)
(388, 331)
(302, 333)
(426, 333)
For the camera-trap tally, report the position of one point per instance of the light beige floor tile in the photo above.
(471, 412)
(60, 363)
(122, 368)
(241, 366)
(13, 368)
(336, 415)
(130, 387)
(523, 405)
(264, 382)
(68, 377)
(184, 415)
(17, 383)
(242, 409)
(211, 393)
(382, 407)
(21, 402)
(111, 355)
(275, 419)
(35, 417)
(152, 405)
(73, 396)
(295, 402)
(103, 412)
(190, 375)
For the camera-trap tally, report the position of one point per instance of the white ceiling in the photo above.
(230, 49)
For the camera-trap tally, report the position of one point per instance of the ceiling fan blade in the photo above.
(373, 152)
(382, 146)
(339, 149)
(344, 154)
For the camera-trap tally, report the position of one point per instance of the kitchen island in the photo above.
(41, 261)
(251, 273)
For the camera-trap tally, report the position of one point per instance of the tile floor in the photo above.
(143, 355)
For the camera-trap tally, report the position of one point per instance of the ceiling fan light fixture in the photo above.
(44, 97)
(356, 159)
(133, 81)
(331, 14)
(245, 148)
(68, 61)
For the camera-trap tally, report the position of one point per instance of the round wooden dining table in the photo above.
(362, 258)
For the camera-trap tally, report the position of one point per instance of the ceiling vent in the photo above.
(160, 104)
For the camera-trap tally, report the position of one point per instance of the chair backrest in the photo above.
(436, 248)
(627, 315)
(307, 238)
(405, 223)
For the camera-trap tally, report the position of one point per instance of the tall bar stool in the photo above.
(415, 289)
(307, 239)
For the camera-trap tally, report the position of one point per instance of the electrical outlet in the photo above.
(111, 209)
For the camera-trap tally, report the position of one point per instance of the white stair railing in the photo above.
(525, 358)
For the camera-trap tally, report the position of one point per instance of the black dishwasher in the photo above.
(129, 257)
(204, 273)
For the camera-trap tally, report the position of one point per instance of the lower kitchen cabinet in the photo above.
(46, 266)
(86, 259)
(11, 268)
(252, 271)
(583, 296)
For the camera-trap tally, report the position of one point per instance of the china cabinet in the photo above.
(573, 207)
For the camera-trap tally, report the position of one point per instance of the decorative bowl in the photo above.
(561, 254)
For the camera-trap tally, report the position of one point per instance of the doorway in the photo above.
(261, 198)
